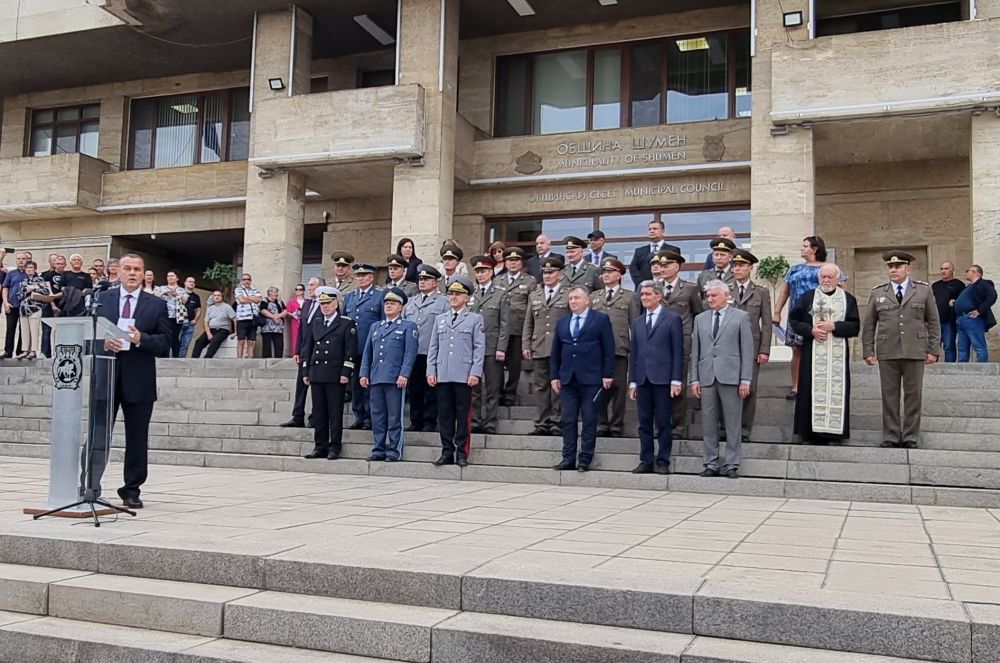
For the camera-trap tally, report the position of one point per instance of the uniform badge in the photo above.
(67, 367)
(881, 299)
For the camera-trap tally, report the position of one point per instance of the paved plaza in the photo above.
(880, 549)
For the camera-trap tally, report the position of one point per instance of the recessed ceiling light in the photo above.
(607, 3)
(522, 7)
(696, 44)
(374, 29)
(186, 109)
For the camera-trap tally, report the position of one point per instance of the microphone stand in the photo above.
(90, 496)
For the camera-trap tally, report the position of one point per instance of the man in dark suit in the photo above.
(309, 311)
(543, 250)
(597, 255)
(150, 336)
(974, 315)
(582, 363)
(656, 370)
(639, 267)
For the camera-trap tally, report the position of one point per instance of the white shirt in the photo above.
(329, 321)
(583, 319)
(312, 311)
(577, 266)
(905, 285)
(550, 292)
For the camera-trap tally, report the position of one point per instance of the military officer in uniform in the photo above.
(455, 367)
(397, 275)
(451, 257)
(756, 301)
(487, 301)
(423, 309)
(517, 285)
(386, 367)
(343, 280)
(329, 355)
(364, 306)
(578, 271)
(545, 306)
(722, 254)
(683, 298)
(902, 334)
(622, 306)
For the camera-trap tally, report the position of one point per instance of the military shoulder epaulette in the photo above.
(921, 282)
(880, 285)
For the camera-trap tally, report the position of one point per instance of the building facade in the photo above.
(251, 132)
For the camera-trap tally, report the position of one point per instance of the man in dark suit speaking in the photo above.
(135, 369)
(582, 363)
(656, 374)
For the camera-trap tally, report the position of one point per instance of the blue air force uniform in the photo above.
(365, 308)
(389, 354)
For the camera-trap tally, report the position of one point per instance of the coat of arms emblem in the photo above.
(714, 148)
(67, 367)
(528, 163)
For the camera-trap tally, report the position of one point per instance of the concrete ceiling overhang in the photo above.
(892, 139)
(173, 37)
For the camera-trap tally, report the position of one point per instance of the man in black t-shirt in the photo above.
(946, 291)
(77, 278)
(193, 306)
(55, 278)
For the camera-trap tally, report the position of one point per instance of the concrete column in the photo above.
(275, 208)
(984, 161)
(987, 9)
(423, 196)
(782, 198)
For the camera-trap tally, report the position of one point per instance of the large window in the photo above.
(65, 130)
(186, 129)
(888, 16)
(662, 81)
(690, 229)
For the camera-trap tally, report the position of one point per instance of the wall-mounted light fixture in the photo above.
(791, 19)
(276, 84)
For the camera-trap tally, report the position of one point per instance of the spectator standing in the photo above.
(726, 232)
(248, 301)
(622, 306)
(946, 291)
(98, 267)
(639, 268)
(31, 311)
(12, 303)
(543, 250)
(94, 278)
(193, 307)
(149, 281)
(310, 309)
(219, 323)
(272, 334)
(76, 277)
(295, 306)
(113, 277)
(176, 297)
(974, 315)
(54, 278)
(405, 248)
(597, 255)
(495, 253)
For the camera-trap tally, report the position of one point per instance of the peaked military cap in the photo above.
(667, 257)
(552, 264)
(395, 294)
(364, 268)
(612, 265)
(428, 272)
(482, 262)
(396, 260)
(722, 244)
(897, 257)
(326, 294)
(742, 255)
(342, 258)
(515, 252)
(460, 284)
(574, 242)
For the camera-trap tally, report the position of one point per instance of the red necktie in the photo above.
(127, 309)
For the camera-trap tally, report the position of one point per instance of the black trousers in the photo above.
(301, 391)
(175, 338)
(12, 324)
(328, 416)
(454, 417)
(512, 361)
(422, 397)
(219, 337)
(273, 345)
(137, 416)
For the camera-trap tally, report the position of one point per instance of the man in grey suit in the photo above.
(722, 357)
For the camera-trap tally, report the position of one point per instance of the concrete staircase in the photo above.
(225, 413)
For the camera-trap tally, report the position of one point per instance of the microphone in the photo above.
(101, 285)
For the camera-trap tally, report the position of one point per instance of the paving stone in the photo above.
(475, 472)
(851, 492)
(503, 639)
(915, 627)
(236, 651)
(26, 588)
(985, 633)
(965, 497)
(723, 486)
(61, 553)
(856, 472)
(362, 628)
(598, 479)
(714, 650)
(964, 477)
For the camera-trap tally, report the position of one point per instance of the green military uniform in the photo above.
(344, 285)
(726, 275)
(756, 301)
(539, 329)
(622, 306)
(585, 274)
(683, 298)
(516, 290)
(900, 332)
(490, 305)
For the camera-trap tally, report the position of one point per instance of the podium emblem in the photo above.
(67, 367)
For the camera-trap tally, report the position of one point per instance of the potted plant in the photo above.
(773, 269)
(223, 275)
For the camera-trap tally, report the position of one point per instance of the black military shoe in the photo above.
(333, 455)
(565, 465)
(444, 459)
(462, 461)
(293, 423)
(643, 468)
(709, 472)
(316, 453)
(662, 468)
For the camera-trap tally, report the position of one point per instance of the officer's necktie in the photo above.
(424, 300)
(548, 297)
(454, 317)
(743, 291)
(482, 291)
(718, 275)
(715, 324)
(574, 271)
(576, 326)
(670, 289)
(611, 293)
(649, 323)
(899, 294)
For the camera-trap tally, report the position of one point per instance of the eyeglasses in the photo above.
(245, 278)
(300, 288)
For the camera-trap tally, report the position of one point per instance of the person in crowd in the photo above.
(54, 279)
(656, 376)
(543, 250)
(488, 301)
(343, 277)
(722, 254)
(546, 305)
(799, 280)
(149, 282)
(495, 253)
(76, 277)
(683, 298)
(577, 270)
(386, 368)
(364, 306)
(219, 324)
(454, 368)
(946, 291)
(176, 297)
(596, 256)
(135, 375)
(272, 334)
(192, 306)
(397, 266)
(309, 310)
(517, 286)
(423, 310)
(94, 278)
(113, 278)
(639, 267)
(248, 299)
(12, 303)
(825, 318)
(295, 305)
(727, 233)
(657, 268)
(974, 315)
(722, 361)
(903, 316)
(98, 267)
(622, 307)
(581, 367)
(451, 264)
(30, 310)
(756, 301)
(406, 248)
(329, 355)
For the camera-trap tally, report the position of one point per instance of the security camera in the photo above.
(152, 236)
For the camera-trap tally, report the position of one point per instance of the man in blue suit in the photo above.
(582, 364)
(364, 306)
(656, 367)
(386, 365)
(974, 315)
